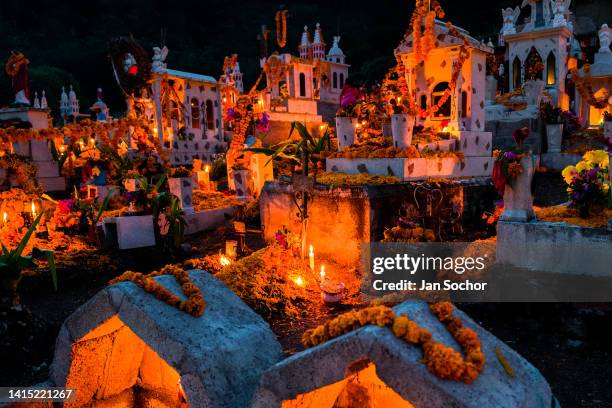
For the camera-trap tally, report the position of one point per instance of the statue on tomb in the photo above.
(510, 16)
(605, 35)
(560, 9)
(159, 57)
(130, 66)
(17, 68)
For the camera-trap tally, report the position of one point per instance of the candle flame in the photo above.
(224, 260)
(311, 250)
(298, 280)
(4, 217)
(33, 208)
(207, 168)
(322, 272)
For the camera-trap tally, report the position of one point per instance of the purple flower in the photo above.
(510, 156)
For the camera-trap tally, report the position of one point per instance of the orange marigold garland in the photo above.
(281, 27)
(585, 88)
(194, 305)
(441, 360)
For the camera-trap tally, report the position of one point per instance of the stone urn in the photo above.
(241, 182)
(518, 200)
(182, 187)
(401, 129)
(130, 185)
(554, 137)
(533, 91)
(345, 131)
(608, 130)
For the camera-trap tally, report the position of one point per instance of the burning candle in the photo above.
(311, 258)
(33, 210)
(4, 218)
(298, 281)
(224, 260)
(322, 273)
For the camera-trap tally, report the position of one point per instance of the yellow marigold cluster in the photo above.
(194, 305)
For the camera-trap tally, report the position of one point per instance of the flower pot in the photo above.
(533, 91)
(182, 187)
(130, 185)
(401, 129)
(554, 136)
(518, 200)
(345, 131)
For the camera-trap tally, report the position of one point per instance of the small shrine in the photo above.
(538, 49)
(185, 109)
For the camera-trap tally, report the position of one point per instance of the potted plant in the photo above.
(512, 175)
(180, 184)
(587, 182)
(346, 116)
(552, 117)
(402, 123)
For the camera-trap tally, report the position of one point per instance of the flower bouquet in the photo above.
(587, 182)
(508, 165)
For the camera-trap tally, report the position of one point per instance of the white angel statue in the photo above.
(159, 56)
(559, 9)
(510, 16)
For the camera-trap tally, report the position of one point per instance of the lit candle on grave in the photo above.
(311, 258)
(322, 273)
(299, 281)
(33, 210)
(4, 218)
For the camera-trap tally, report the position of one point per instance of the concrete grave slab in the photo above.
(124, 342)
(398, 365)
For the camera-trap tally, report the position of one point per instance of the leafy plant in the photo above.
(550, 114)
(180, 171)
(61, 157)
(13, 262)
(292, 149)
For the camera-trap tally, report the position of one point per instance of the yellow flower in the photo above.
(568, 173)
(583, 165)
(605, 188)
(598, 157)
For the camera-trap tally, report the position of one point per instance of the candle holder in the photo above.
(332, 292)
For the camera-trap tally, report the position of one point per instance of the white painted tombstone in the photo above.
(554, 137)
(518, 200)
(533, 92)
(401, 129)
(345, 131)
(135, 231)
(242, 183)
(182, 188)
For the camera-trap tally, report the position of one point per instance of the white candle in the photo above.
(33, 211)
(322, 273)
(311, 258)
(4, 218)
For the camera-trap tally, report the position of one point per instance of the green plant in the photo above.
(13, 263)
(118, 165)
(292, 149)
(61, 157)
(179, 172)
(550, 114)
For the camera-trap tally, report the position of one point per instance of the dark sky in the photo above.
(67, 40)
